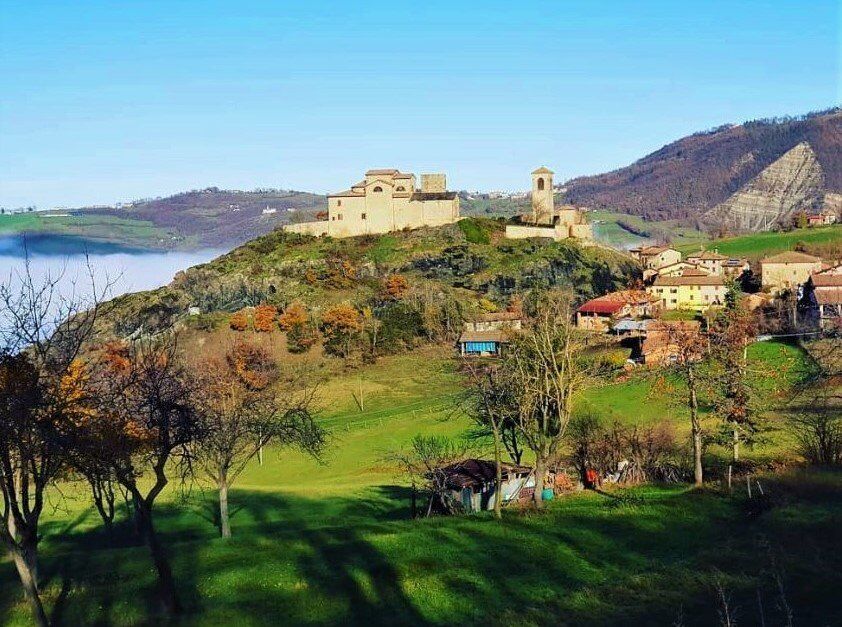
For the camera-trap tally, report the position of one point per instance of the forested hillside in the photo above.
(688, 177)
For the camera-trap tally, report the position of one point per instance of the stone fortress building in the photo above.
(545, 221)
(385, 200)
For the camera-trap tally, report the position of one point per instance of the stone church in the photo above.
(385, 200)
(545, 220)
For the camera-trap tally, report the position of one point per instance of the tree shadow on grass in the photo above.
(358, 560)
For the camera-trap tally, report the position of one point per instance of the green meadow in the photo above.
(329, 541)
(759, 245)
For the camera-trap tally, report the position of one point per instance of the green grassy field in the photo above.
(608, 230)
(328, 542)
(95, 228)
(760, 245)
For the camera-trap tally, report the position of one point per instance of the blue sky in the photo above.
(109, 101)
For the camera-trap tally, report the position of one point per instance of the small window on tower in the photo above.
(540, 184)
(339, 203)
(363, 216)
(400, 188)
(338, 216)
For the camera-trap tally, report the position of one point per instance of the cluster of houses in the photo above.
(699, 282)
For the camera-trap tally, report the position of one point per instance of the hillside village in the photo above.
(370, 369)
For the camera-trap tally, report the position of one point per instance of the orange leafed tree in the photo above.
(239, 320)
(264, 318)
(395, 286)
(294, 316)
(341, 324)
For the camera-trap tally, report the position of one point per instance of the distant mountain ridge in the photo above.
(214, 217)
(698, 176)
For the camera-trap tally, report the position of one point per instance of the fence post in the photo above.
(748, 485)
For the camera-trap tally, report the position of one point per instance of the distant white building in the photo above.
(269, 211)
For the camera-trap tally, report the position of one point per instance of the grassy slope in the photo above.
(760, 245)
(96, 228)
(328, 542)
(608, 230)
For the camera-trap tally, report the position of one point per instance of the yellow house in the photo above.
(694, 289)
(787, 270)
(385, 200)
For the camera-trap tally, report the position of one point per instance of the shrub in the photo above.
(239, 320)
(395, 286)
(400, 325)
(264, 318)
(473, 232)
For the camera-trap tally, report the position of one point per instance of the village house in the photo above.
(544, 220)
(787, 271)
(652, 258)
(384, 201)
(472, 483)
(825, 218)
(823, 294)
(658, 346)
(693, 289)
(709, 260)
(598, 314)
(486, 336)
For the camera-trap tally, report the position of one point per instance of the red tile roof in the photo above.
(615, 301)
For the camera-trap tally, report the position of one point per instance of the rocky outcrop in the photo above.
(792, 183)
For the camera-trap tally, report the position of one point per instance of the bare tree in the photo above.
(688, 348)
(247, 404)
(42, 332)
(547, 370)
(492, 404)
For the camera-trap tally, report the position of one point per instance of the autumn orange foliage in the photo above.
(294, 316)
(395, 286)
(239, 320)
(251, 363)
(264, 318)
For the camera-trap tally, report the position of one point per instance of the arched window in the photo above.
(541, 185)
(338, 203)
(377, 189)
(400, 188)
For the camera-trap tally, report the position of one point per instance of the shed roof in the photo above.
(821, 280)
(493, 335)
(829, 296)
(613, 302)
(474, 472)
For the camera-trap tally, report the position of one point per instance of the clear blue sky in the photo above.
(109, 101)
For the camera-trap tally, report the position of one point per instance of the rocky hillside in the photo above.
(219, 218)
(462, 266)
(791, 184)
(748, 173)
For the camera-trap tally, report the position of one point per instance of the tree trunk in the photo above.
(736, 444)
(224, 521)
(698, 476)
(26, 563)
(540, 470)
(166, 583)
(498, 489)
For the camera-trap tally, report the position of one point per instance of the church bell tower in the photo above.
(543, 210)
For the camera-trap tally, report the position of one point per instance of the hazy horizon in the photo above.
(108, 103)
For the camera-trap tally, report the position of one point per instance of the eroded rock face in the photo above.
(791, 184)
